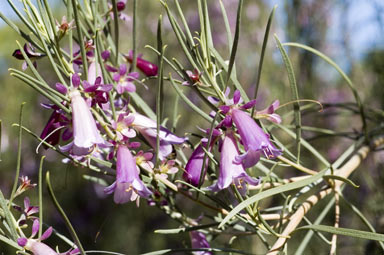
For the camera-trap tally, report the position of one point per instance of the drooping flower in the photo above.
(254, 139)
(148, 68)
(195, 162)
(31, 54)
(56, 123)
(128, 185)
(231, 171)
(194, 166)
(199, 240)
(85, 132)
(147, 129)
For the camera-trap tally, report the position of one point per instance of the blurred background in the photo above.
(351, 32)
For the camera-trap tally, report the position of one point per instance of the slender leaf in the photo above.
(235, 41)
(295, 94)
(41, 196)
(63, 215)
(18, 163)
(269, 193)
(263, 47)
(345, 232)
(340, 71)
(188, 102)
(8, 216)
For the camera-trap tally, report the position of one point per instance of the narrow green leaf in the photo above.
(340, 71)
(345, 232)
(116, 32)
(184, 229)
(336, 177)
(63, 215)
(263, 47)
(235, 41)
(8, 216)
(10, 242)
(160, 92)
(237, 84)
(185, 24)
(362, 217)
(309, 235)
(227, 26)
(269, 193)
(188, 102)
(41, 196)
(18, 163)
(134, 35)
(295, 94)
(80, 37)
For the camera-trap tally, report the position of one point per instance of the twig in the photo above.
(345, 171)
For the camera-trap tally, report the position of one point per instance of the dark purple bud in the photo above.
(148, 68)
(249, 105)
(22, 241)
(106, 54)
(75, 80)
(236, 97)
(17, 54)
(61, 88)
(46, 234)
(120, 5)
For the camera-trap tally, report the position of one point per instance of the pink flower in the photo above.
(230, 170)
(128, 185)
(254, 139)
(85, 132)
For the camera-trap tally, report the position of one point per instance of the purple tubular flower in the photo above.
(230, 170)
(128, 184)
(253, 138)
(54, 122)
(148, 68)
(148, 130)
(198, 240)
(85, 132)
(194, 165)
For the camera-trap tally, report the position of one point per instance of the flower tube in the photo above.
(85, 132)
(128, 185)
(230, 170)
(254, 139)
